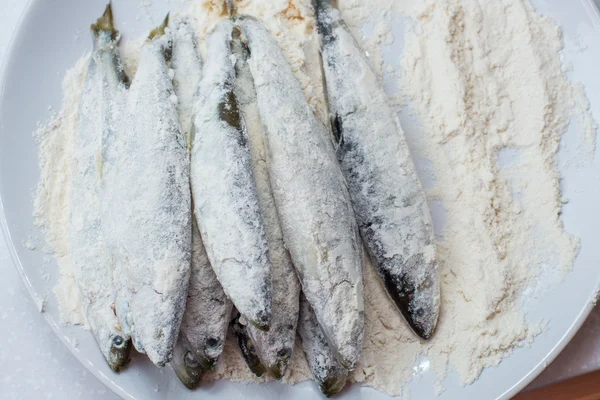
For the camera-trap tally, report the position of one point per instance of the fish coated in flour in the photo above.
(147, 211)
(311, 197)
(226, 201)
(103, 94)
(207, 314)
(389, 201)
(274, 347)
(329, 374)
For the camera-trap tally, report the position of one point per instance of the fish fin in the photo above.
(105, 23)
(238, 36)
(160, 30)
(335, 124)
(337, 131)
(191, 136)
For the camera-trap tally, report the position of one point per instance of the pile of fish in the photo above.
(221, 201)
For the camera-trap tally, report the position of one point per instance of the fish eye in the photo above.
(251, 348)
(284, 354)
(212, 342)
(190, 361)
(118, 341)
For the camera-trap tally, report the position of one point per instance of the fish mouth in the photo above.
(280, 368)
(206, 363)
(212, 350)
(120, 351)
(190, 371)
(333, 385)
(248, 348)
(262, 322)
(416, 300)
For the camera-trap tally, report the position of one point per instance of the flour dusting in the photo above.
(52, 203)
(485, 84)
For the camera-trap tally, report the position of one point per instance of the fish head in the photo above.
(213, 347)
(279, 369)
(247, 347)
(185, 364)
(188, 370)
(119, 351)
(333, 384)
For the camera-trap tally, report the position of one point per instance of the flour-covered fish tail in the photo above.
(207, 314)
(275, 346)
(105, 86)
(311, 197)
(148, 206)
(225, 197)
(327, 372)
(389, 201)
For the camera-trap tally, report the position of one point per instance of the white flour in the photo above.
(52, 203)
(481, 77)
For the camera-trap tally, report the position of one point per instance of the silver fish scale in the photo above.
(389, 201)
(274, 347)
(225, 197)
(148, 209)
(311, 198)
(208, 310)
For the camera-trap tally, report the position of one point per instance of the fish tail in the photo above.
(160, 30)
(105, 24)
(159, 33)
(231, 9)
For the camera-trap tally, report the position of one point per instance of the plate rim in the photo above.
(118, 390)
(16, 261)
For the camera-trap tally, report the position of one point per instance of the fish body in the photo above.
(226, 202)
(389, 201)
(147, 211)
(311, 198)
(274, 347)
(327, 372)
(104, 89)
(207, 314)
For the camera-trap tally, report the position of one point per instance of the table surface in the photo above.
(34, 364)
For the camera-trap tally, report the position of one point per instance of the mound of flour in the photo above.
(483, 79)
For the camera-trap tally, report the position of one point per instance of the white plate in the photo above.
(54, 34)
